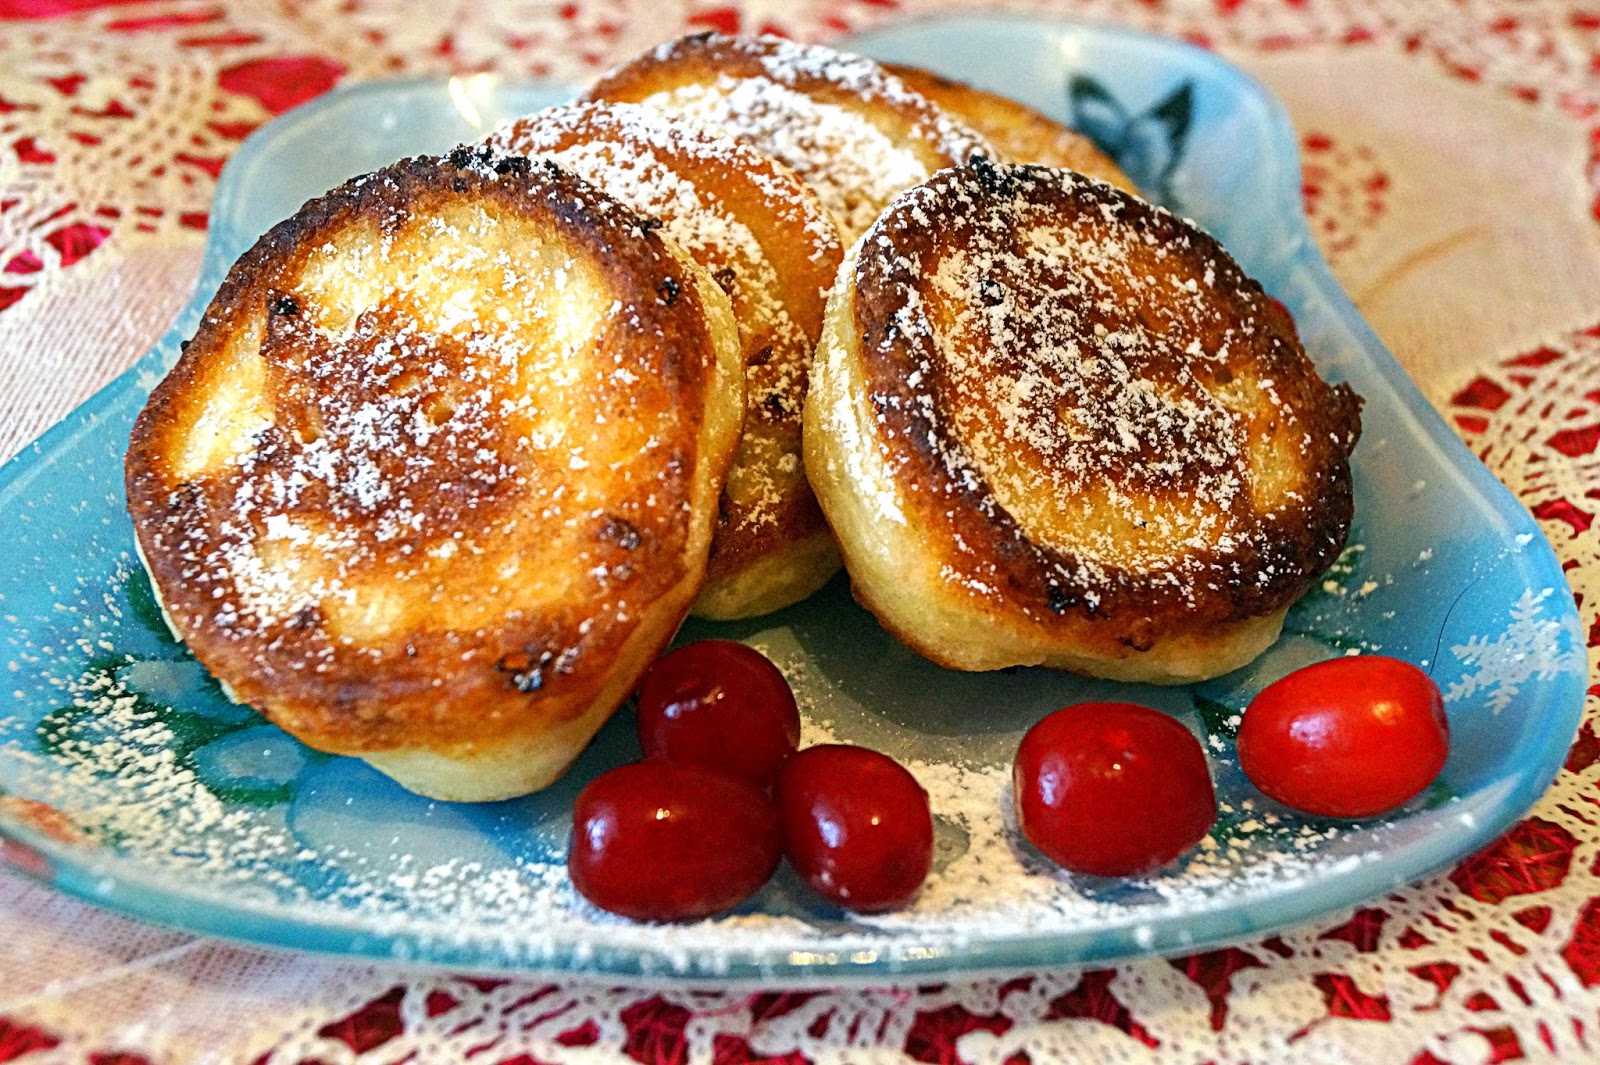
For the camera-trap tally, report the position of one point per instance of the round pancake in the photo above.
(769, 243)
(1018, 132)
(435, 479)
(852, 131)
(1063, 428)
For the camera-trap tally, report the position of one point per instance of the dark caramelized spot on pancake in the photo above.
(284, 306)
(475, 155)
(1059, 600)
(993, 179)
(184, 496)
(526, 676)
(1094, 408)
(305, 617)
(620, 532)
(668, 290)
(1141, 634)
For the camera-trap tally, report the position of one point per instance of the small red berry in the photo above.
(720, 704)
(656, 841)
(1112, 789)
(856, 826)
(1349, 737)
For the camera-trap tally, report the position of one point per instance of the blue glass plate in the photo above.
(193, 812)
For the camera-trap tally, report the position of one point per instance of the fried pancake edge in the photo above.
(781, 577)
(897, 513)
(474, 735)
(770, 553)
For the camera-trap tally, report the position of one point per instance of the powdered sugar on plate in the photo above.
(132, 759)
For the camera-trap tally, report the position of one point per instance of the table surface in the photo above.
(1452, 176)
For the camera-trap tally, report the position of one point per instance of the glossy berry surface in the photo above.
(856, 826)
(720, 704)
(656, 841)
(1112, 789)
(1350, 737)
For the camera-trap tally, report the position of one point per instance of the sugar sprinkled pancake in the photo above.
(1052, 424)
(436, 477)
(768, 242)
(851, 130)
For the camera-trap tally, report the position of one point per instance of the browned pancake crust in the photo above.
(406, 465)
(1096, 376)
(1018, 132)
(771, 246)
(853, 132)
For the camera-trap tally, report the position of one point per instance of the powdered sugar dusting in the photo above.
(119, 765)
(852, 167)
(1084, 370)
(670, 171)
(482, 397)
(812, 108)
(1082, 401)
(371, 409)
(989, 883)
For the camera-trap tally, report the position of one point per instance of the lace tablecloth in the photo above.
(1452, 162)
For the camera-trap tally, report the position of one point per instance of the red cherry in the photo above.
(1112, 789)
(720, 704)
(1349, 737)
(657, 841)
(856, 826)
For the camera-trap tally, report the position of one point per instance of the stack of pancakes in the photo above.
(458, 446)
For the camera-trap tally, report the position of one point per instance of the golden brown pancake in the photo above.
(770, 244)
(1062, 428)
(436, 477)
(852, 131)
(1018, 132)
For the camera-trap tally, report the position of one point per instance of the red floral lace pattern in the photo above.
(115, 119)
(1345, 191)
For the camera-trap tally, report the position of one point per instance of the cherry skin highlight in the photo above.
(657, 841)
(1112, 789)
(1349, 737)
(856, 826)
(719, 704)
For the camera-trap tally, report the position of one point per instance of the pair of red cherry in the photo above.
(1116, 789)
(722, 796)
